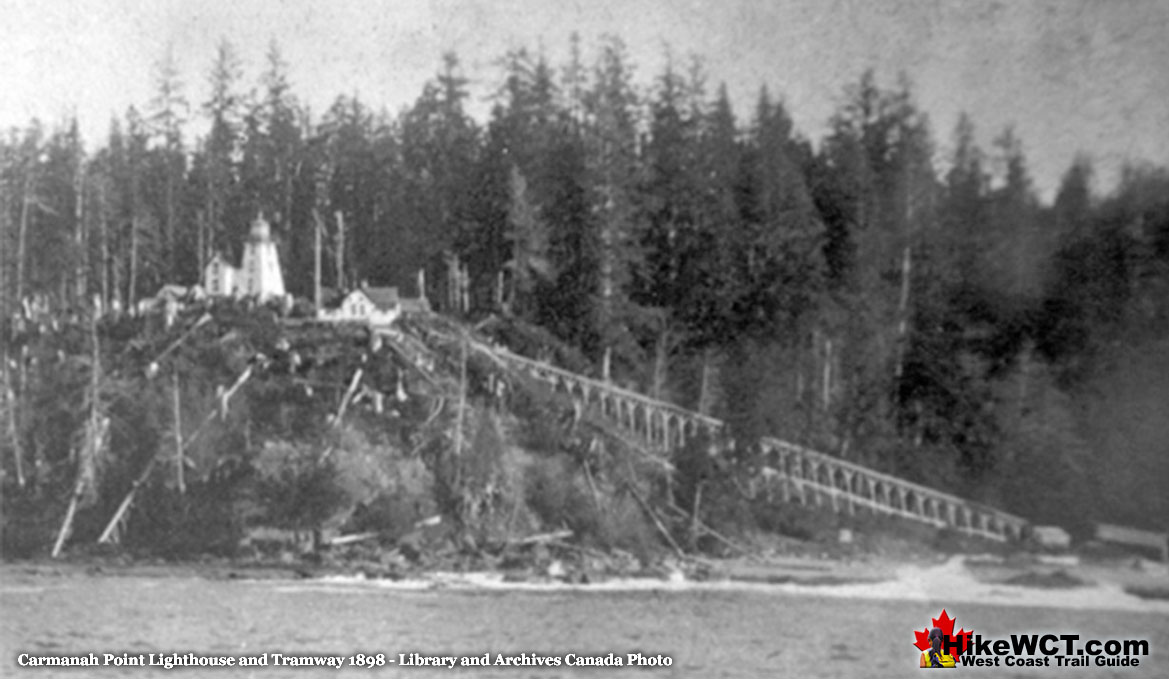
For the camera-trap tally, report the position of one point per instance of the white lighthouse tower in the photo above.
(259, 274)
(260, 270)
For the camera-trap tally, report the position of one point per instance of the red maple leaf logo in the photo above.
(946, 624)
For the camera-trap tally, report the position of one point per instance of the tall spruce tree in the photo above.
(1020, 249)
(439, 156)
(221, 204)
(671, 201)
(612, 151)
(167, 114)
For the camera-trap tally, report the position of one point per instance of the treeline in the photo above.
(939, 322)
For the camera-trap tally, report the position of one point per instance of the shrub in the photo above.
(558, 499)
(297, 488)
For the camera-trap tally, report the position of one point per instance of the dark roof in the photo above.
(382, 298)
(223, 259)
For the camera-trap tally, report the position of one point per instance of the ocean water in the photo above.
(707, 630)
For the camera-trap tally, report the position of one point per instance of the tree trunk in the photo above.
(704, 389)
(13, 428)
(201, 241)
(695, 523)
(5, 299)
(81, 265)
(460, 417)
(170, 216)
(103, 225)
(178, 436)
(132, 290)
(499, 303)
(827, 386)
(88, 461)
(465, 287)
(67, 524)
(116, 275)
(22, 235)
(903, 312)
(661, 363)
(286, 218)
(318, 227)
(340, 250)
(22, 388)
(210, 219)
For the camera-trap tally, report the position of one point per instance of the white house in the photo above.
(259, 275)
(219, 277)
(376, 306)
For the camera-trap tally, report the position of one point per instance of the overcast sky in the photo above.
(1071, 75)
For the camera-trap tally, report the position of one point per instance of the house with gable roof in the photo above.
(367, 304)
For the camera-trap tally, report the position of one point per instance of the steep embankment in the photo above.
(396, 449)
(414, 447)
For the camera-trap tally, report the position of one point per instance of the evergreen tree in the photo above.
(876, 189)
(782, 268)
(25, 173)
(439, 157)
(56, 249)
(225, 224)
(167, 114)
(574, 248)
(529, 265)
(1091, 283)
(777, 285)
(140, 247)
(346, 132)
(1072, 210)
(966, 233)
(273, 159)
(717, 309)
(1020, 251)
(611, 141)
(671, 205)
(8, 235)
(1039, 440)
(519, 138)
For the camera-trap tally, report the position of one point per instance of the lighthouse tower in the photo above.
(259, 273)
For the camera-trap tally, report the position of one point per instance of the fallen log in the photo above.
(70, 513)
(350, 539)
(698, 523)
(542, 538)
(656, 521)
(346, 398)
(578, 548)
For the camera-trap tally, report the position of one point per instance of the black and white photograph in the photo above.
(553, 338)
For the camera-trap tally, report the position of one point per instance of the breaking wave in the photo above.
(951, 581)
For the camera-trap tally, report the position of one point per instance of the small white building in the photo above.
(259, 274)
(219, 277)
(375, 306)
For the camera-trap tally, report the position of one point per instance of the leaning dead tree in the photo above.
(93, 442)
(116, 525)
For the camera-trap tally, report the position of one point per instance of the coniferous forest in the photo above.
(920, 312)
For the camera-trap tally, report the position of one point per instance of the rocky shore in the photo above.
(551, 564)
